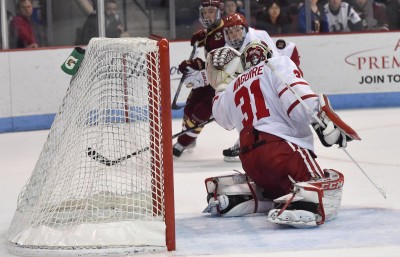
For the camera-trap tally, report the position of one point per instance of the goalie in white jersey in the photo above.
(276, 141)
(238, 34)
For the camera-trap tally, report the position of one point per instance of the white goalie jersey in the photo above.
(251, 99)
(262, 35)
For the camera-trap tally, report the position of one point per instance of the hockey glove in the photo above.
(331, 135)
(336, 131)
(199, 36)
(195, 78)
(223, 65)
(195, 64)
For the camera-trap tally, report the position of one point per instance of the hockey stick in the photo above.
(104, 160)
(193, 128)
(382, 191)
(174, 105)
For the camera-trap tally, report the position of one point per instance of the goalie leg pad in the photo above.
(248, 207)
(332, 186)
(234, 195)
(320, 199)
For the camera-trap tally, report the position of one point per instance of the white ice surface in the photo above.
(367, 226)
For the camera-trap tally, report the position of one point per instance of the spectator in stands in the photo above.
(257, 11)
(392, 13)
(379, 21)
(276, 20)
(293, 12)
(240, 6)
(231, 7)
(323, 2)
(319, 21)
(342, 17)
(114, 27)
(24, 33)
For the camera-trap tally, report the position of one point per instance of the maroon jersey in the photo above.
(198, 106)
(214, 38)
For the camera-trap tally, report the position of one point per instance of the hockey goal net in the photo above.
(103, 181)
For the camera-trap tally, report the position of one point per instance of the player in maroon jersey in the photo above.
(199, 103)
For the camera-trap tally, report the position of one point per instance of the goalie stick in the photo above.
(104, 160)
(308, 108)
(174, 105)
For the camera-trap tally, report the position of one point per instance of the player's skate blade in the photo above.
(294, 218)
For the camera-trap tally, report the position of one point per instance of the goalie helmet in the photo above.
(255, 52)
(235, 25)
(204, 18)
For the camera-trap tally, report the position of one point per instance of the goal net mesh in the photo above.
(98, 182)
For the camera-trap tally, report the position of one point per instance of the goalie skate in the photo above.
(294, 218)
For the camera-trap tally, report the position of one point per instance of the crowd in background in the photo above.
(275, 16)
(288, 17)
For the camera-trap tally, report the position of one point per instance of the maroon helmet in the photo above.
(255, 52)
(235, 21)
(208, 22)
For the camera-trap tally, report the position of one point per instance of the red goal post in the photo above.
(165, 84)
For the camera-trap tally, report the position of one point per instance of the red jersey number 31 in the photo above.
(243, 95)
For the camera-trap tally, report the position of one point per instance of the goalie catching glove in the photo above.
(335, 130)
(223, 65)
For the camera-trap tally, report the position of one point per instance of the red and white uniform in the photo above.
(290, 50)
(257, 88)
(260, 99)
(262, 35)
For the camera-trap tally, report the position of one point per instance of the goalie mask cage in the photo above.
(75, 203)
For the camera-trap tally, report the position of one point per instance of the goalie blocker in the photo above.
(335, 130)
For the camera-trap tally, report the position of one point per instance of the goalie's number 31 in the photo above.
(243, 95)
